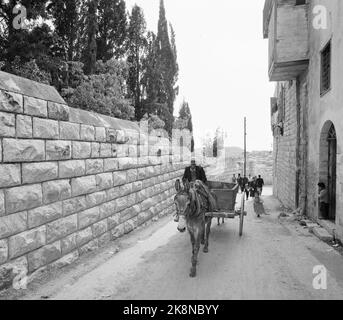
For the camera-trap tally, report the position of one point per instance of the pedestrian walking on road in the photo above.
(234, 179)
(259, 185)
(258, 205)
(246, 186)
(323, 200)
(240, 182)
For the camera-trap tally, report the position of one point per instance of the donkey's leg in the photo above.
(207, 234)
(197, 237)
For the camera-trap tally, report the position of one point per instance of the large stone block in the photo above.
(43, 256)
(100, 134)
(127, 163)
(95, 150)
(45, 129)
(119, 178)
(83, 185)
(61, 228)
(125, 189)
(13, 273)
(43, 215)
(69, 243)
(122, 204)
(132, 175)
(87, 133)
(113, 221)
(107, 209)
(99, 228)
(111, 135)
(23, 198)
(89, 247)
(3, 251)
(105, 150)
(81, 150)
(96, 198)
(24, 126)
(16, 150)
(11, 102)
(54, 191)
(130, 225)
(122, 137)
(7, 124)
(88, 217)
(9, 175)
(113, 193)
(12, 224)
(111, 164)
(35, 107)
(104, 181)
(94, 166)
(58, 150)
(84, 236)
(72, 168)
(58, 111)
(39, 172)
(74, 205)
(65, 261)
(137, 186)
(69, 131)
(122, 151)
(129, 213)
(2, 203)
(117, 232)
(26, 242)
(104, 239)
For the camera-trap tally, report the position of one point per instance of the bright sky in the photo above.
(223, 66)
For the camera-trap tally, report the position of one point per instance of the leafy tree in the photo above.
(65, 15)
(167, 66)
(137, 44)
(112, 29)
(30, 70)
(154, 122)
(104, 91)
(90, 52)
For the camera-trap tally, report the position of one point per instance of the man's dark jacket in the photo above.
(199, 171)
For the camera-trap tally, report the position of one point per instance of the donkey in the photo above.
(191, 205)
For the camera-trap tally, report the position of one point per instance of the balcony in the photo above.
(285, 24)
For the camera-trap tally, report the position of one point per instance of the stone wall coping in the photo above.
(16, 84)
(100, 120)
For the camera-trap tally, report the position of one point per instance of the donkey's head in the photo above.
(185, 203)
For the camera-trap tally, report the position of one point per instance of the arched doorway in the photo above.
(328, 165)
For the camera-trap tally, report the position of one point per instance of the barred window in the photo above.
(326, 69)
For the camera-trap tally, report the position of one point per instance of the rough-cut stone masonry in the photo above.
(70, 180)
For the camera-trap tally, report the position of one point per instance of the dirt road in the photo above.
(273, 260)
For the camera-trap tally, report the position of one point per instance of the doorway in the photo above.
(328, 166)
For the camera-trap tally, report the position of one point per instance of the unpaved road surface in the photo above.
(274, 259)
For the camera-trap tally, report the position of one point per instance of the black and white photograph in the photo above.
(168, 156)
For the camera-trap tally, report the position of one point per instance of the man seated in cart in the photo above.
(194, 172)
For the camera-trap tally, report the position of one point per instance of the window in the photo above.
(300, 2)
(325, 84)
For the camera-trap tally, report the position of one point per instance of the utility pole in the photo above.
(245, 146)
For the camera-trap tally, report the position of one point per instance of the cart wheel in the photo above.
(241, 217)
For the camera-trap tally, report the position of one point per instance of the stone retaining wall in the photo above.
(71, 180)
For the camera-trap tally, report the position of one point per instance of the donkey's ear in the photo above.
(177, 185)
(186, 185)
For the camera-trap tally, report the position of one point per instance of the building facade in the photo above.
(305, 61)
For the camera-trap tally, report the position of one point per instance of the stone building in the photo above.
(305, 61)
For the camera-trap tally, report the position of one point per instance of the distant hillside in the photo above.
(234, 151)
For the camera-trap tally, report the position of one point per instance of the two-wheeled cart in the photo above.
(226, 195)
